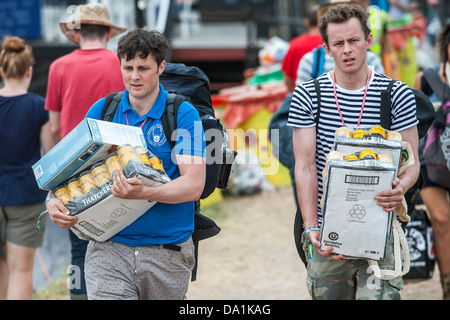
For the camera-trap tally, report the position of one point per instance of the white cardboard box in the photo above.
(104, 218)
(85, 145)
(353, 224)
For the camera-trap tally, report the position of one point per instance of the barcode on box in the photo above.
(362, 179)
(38, 172)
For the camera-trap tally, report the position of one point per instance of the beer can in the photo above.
(127, 153)
(378, 130)
(367, 154)
(155, 163)
(142, 152)
(74, 188)
(343, 132)
(351, 157)
(359, 133)
(63, 194)
(113, 164)
(395, 135)
(87, 181)
(334, 155)
(385, 157)
(100, 174)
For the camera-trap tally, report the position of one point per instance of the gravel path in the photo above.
(254, 256)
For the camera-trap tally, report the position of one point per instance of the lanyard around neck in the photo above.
(363, 102)
(126, 113)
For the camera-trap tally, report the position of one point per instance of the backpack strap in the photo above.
(385, 107)
(439, 88)
(112, 101)
(317, 86)
(169, 116)
(318, 61)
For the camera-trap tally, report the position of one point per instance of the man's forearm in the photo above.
(307, 192)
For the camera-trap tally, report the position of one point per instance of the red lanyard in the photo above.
(363, 102)
(126, 113)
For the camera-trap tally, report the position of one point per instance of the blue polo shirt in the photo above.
(163, 223)
(21, 120)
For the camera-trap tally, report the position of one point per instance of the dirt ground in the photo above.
(254, 257)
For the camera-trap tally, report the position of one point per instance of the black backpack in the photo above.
(191, 84)
(425, 113)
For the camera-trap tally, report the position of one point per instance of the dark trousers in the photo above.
(78, 252)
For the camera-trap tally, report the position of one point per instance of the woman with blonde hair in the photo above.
(24, 132)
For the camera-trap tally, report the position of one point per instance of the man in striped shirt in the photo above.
(350, 96)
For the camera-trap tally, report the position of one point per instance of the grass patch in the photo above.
(56, 290)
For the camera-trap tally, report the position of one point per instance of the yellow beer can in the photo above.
(74, 188)
(155, 163)
(367, 154)
(343, 132)
(113, 164)
(87, 181)
(142, 152)
(378, 130)
(63, 194)
(359, 133)
(385, 157)
(334, 155)
(395, 135)
(100, 174)
(351, 157)
(127, 153)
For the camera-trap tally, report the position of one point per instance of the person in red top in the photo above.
(298, 47)
(76, 81)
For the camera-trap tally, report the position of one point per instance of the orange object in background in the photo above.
(243, 101)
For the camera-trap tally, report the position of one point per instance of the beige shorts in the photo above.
(119, 272)
(18, 225)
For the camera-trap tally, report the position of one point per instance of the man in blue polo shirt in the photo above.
(153, 257)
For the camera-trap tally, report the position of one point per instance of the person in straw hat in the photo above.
(76, 81)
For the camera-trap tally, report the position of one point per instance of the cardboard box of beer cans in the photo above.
(359, 168)
(85, 188)
(353, 224)
(88, 195)
(85, 145)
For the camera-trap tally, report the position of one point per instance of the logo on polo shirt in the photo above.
(156, 136)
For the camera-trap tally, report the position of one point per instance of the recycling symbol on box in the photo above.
(357, 211)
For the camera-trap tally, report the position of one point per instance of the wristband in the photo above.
(311, 229)
(38, 224)
(310, 246)
(49, 198)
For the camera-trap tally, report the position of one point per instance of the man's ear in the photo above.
(369, 41)
(327, 50)
(162, 66)
(76, 35)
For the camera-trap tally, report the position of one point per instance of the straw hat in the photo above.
(92, 13)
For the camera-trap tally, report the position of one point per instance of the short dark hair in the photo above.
(140, 42)
(342, 13)
(93, 31)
